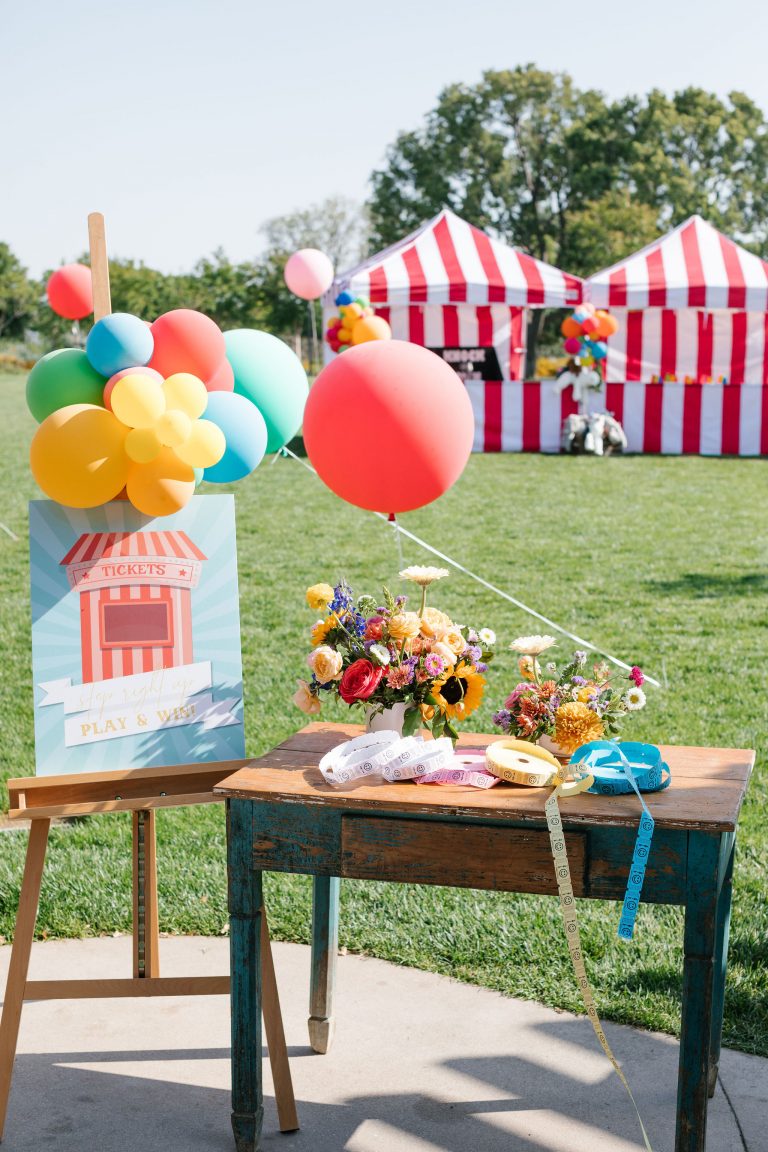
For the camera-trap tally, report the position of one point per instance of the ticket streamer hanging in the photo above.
(504, 756)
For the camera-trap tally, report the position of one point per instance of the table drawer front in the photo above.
(459, 855)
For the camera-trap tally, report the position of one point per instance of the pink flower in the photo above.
(434, 664)
(636, 674)
(399, 677)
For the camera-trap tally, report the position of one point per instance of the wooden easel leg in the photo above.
(146, 927)
(325, 945)
(22, 945)
(273, 1026)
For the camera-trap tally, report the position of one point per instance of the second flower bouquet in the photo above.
(379, 653)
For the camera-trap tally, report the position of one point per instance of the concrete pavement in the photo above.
(420, 1063)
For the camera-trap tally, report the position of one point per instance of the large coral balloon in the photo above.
(187, 341)
(388, 426)
(77, 456)
(70, 291)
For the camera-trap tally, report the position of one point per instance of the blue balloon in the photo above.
(245, 432)
(599, 350)
(344, 298)
(119, 341)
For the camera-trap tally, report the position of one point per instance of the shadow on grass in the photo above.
(704, 584)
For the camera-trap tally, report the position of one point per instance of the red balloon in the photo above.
(388, 426)
(223, 379)
(187, 341)
(70, 292)
(590, 325)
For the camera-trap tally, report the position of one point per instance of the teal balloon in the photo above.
(62, 378)
(244, 431)
(272, 377)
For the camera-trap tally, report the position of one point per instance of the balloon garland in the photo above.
(147, 411)
(586, 331)
(356, 323)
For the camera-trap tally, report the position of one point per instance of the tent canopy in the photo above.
(448, 261)
(693, 266)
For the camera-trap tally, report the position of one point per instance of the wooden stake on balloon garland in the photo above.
(140, 791)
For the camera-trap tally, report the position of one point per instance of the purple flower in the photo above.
(579, 657)
(578, 680)
(472, 636)
(480, 667)
(503, 719)
(472, 652)
(401, 600)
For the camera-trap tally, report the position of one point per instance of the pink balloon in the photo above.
(416, 404)
(142, 371)
(222, 380)
(308, 273)
(572, 345)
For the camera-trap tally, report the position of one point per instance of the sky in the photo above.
(188, 123)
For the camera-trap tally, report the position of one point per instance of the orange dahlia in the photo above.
(575, 724)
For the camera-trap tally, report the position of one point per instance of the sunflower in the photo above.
(575, 724)
(459, 692)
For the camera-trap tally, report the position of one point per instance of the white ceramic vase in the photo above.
(390, 720)
(550, 746)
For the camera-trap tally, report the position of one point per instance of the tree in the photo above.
(18, 296)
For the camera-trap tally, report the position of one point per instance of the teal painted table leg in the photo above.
(325, 945)
(245, 901)
(722, 930)
(698, 985)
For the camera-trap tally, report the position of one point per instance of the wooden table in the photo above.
(283, 817)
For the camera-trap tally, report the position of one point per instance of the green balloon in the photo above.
(60, 378)
(270, 375)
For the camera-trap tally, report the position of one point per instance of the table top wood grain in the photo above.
(706, 793)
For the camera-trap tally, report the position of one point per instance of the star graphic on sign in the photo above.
(182, 571)
(84, 576)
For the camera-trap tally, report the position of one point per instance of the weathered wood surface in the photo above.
(123, 790)
(708, 786)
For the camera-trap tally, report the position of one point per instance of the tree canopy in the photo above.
(571, 176)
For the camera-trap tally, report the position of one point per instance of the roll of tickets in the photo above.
(385, 754)
(466, 769)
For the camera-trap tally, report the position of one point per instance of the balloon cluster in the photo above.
(585, 333)
(149, 410)
(356, 323)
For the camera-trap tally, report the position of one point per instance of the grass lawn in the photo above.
(661, 561)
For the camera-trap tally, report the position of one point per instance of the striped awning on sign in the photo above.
(693, 266)
(94, 546)
(448, 261)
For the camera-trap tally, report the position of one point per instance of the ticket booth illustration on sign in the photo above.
(135, 600)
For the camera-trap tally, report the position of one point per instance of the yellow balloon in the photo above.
(187, 393)
(205, 447)
(161, 487)
(137, 401)
(344, 335)
(173, 427)
(142, 445)
(78, 457)
(371, 328)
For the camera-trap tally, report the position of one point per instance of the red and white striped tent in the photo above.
(451, 286)
(693, 312)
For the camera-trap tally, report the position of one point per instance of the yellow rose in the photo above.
(319, 596)
(321, 630)
(326, 664)
(403, 626)
(454, 640)
(434, 623)
(448, 654)
(304, 699)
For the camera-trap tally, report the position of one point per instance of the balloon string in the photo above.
(491, 587)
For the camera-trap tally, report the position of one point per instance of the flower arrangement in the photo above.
(381, 654)
(565, 703)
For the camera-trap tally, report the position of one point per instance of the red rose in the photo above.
(360, 681)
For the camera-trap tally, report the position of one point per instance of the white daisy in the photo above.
(380, 654)
(635, 699)
(423, 576)
(532, 645)
(487, 637)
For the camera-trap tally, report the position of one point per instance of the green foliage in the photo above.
(661, 560)
(571, 176)
(17, 296)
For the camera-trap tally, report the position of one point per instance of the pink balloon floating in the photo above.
(308, 273)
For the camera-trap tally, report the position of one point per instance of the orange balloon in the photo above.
(570, 327)
(370, 328)
(612, 325)
(78, 457)
(161, 487)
